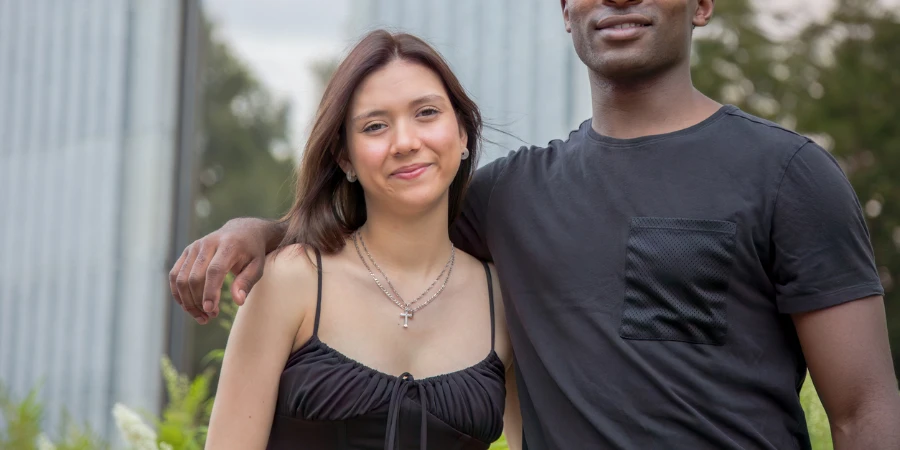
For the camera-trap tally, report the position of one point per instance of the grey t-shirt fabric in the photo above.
(649, 282)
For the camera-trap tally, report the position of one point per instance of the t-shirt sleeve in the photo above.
(469, 230)
(822, 253)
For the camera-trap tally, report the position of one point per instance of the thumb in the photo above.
(245, 280)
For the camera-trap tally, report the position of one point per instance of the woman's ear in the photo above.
(463, 137)
(346, 166)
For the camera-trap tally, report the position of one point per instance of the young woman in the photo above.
(368, 329)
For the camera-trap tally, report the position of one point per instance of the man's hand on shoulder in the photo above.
(239, 247)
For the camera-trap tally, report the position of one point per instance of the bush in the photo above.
(21, 428)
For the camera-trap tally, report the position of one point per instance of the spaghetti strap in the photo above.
(490, 283)
(319, 294)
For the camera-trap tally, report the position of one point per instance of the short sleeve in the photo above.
(822, 253)
(469, 230)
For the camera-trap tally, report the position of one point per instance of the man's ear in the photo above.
(565, 10)
(703, 13)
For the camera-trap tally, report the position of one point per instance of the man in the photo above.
(671, 269)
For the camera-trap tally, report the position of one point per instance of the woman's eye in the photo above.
(373, 127)
(428, 112)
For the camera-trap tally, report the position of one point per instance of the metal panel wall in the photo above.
(88, 90)
(513, 56)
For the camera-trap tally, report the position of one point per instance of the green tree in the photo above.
(736, 62)
(246, 165)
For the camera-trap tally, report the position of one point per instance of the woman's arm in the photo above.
(512, 416)
(259, 344)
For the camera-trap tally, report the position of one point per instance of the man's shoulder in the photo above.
(527, 163)
(759, 133)
(540, 155)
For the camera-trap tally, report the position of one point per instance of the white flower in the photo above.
(135, 432)
(165, 446)
(44, 443)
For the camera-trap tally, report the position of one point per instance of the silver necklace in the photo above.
(390, 285)
(407, 308)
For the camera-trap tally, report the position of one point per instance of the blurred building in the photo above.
(96, 139)
(523, 74)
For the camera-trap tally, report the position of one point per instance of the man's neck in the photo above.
(660, 104)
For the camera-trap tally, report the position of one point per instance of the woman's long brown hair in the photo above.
(327, 207)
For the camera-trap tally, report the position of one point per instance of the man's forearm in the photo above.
(275, 231)
(271, 232)
(876, 429)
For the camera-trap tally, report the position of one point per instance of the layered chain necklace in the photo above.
(393, 295)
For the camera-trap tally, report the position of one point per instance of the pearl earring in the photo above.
(465, 153)
(351, 177)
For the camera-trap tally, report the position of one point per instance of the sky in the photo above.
(281, 39)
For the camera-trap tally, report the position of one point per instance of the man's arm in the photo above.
(847, 350)
(826, 279)
(470, 229)
(240, 247)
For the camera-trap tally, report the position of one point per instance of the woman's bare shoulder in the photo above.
(289, 277)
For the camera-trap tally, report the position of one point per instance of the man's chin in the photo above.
(626, 68)
(620, 70)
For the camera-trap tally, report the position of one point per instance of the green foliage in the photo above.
(735, 62)
(22, 427)
(246, 167)
(184, 419)
(500, 444)
(186, 415)
(23, 420)
(816, 419)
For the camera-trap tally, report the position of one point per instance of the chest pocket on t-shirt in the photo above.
(676, 279)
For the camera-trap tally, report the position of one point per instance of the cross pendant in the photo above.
(407, 314)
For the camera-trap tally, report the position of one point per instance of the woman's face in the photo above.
(404, 141)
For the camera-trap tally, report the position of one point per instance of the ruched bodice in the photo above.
(327, 400)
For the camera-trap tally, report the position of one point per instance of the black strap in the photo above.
(319, 294)
(490, 284)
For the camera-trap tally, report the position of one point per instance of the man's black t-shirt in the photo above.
(649, 282)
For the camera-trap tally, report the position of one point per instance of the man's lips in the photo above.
(623, 21)
(623, 28)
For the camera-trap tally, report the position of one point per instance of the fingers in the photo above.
(173, 276)
(219, 266)
(197, 277)
(245, 279)
(183, 285)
